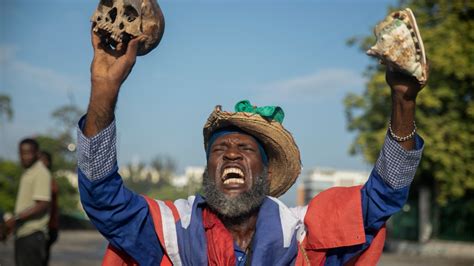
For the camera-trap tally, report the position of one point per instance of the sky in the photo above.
(287, 53)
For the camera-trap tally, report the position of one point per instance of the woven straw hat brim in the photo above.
(282, 151)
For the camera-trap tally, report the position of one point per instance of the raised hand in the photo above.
(405, 89)
(109, 69)
(404, 85)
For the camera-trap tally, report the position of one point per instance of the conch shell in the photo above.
(399, 44)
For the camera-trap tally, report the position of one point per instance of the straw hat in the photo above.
(283, 154)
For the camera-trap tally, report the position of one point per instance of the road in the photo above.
(74, 248)
(81, 248)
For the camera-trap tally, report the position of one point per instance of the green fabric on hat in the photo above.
(269, 112)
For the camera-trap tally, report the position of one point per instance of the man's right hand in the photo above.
(109, 69)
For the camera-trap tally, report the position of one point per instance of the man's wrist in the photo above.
(104, 91)
(105, 83)
(403, 95)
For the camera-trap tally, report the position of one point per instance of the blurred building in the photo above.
(137, 172)
(319, 179)
(192, 174)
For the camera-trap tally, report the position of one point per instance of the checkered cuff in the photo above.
(397, 166)
(97, 156)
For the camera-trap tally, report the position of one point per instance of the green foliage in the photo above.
(62, 148)
(455, 220)
(68, 197)
(63, 160)
(445, 108)
(9, 176)
(404, 224)
(162, 190)
(167, 192)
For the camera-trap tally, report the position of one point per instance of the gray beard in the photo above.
(242, 205)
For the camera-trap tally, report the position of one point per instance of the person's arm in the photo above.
(109, 69)
(40, 208)
(119, 214)
(387, 188)
(404, 90)
(41, 194)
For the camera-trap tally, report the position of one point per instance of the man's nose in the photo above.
(232, 154)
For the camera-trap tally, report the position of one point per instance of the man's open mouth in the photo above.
(233, 175)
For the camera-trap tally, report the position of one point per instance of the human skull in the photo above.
(399, 44)
(118, 21)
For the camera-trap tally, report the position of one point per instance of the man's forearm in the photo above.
(404, 89)
(402, 119)
(100, 112)
(109, 69)
(40, 208)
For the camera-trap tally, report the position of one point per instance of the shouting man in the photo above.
(251, 160)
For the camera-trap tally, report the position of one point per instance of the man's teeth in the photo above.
(233, 181)
(232, 170)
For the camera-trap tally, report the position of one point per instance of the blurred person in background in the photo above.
(53, 225)
(31, 215)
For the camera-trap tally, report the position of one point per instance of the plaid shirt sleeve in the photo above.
(397, 166)
(96, 156)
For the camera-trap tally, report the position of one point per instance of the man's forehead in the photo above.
(27, 146)
(235, 137)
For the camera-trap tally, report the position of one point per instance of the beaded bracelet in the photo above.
(401, 139)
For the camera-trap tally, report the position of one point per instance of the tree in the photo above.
(63, 158)
(61, 143)
(6, 109)
(445, 108)
(9, 171)
(62, 147)
(64, 161)
(9, 176)
(67, 117)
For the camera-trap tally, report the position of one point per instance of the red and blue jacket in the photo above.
(331, 230)
(340, 226)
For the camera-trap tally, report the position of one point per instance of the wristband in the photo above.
(401, 139)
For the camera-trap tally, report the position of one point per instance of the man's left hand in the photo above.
(403, 85)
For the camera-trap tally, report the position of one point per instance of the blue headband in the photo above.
(230, 130)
